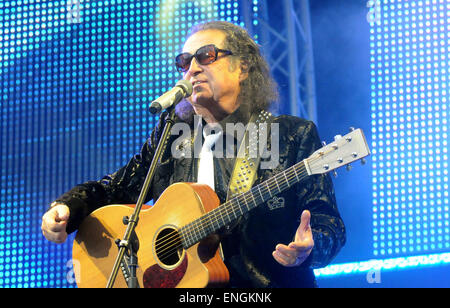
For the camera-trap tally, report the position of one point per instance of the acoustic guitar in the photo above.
(176, 242)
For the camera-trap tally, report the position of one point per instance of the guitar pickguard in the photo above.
(158, 277)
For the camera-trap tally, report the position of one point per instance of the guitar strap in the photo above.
(248, 158)
(247, 161)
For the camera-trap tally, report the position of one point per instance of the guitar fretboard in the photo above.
(241, 204)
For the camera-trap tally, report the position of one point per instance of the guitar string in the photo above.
(225, 210)
(174, 237)
(190, 228)
(167, 251)
(172, 249)
(194, 226)
(272, 182)
(198, 224)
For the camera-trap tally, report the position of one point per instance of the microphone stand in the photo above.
(132, 221)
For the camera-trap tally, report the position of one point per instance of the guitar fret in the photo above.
(187, 235)
(295, 172)
(254, 201)
(201, 228)
(287, 181)
(276, 182)
(236, 204)
(198, 227)
(231, 211)
(262, 197)
(183, 238)
(239, 205)
(219, 218)
(246, 203)
(268, 189)
(219, 221)
(206, 229)
(213, 220)
(223, 220)
(190, 234)
(230, 219)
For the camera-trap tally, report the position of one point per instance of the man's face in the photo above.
(215, 85)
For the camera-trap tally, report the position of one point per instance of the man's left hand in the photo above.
(298, 251)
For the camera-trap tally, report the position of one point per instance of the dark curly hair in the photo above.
(259, 89)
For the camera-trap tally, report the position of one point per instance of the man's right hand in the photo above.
(54, 223)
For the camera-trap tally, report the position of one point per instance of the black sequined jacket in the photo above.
(248, 244)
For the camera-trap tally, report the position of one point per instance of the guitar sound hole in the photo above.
(168, 246)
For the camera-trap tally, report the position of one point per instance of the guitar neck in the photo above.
(241, 204)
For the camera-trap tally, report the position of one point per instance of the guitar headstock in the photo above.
(343, 151)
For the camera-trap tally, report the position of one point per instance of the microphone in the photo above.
(182, 89)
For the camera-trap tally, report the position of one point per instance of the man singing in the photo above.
(277, 244)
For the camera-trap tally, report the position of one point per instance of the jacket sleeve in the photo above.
(316, 194)
(121, 187)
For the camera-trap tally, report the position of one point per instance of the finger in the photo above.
(283, 259)
(294, 248)
(282, 247)
(302, 246)
(50, 223)
(57, 227)
(294, 252)
(62, 213)
(304, 230)
(290, 261)
(290, 257)
(294, 257)
(305, 220)
(286, 251)
(53, 236)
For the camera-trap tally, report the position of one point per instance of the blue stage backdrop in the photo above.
(76, 80)
(385, 66)
(77, 77)
(410, 69)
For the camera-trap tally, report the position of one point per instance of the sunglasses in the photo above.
(204, 55)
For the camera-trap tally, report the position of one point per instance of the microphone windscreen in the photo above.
(186, 86)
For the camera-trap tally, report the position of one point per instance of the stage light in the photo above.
(384, 264)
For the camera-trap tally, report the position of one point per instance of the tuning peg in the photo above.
(335, 173)
(337, 137)
(351, 129)
(363, 161)
(348, 167)
(324, 143)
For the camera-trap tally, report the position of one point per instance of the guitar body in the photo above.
(94, 250)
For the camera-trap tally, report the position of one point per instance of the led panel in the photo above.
(410, 69)
(76, 80)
